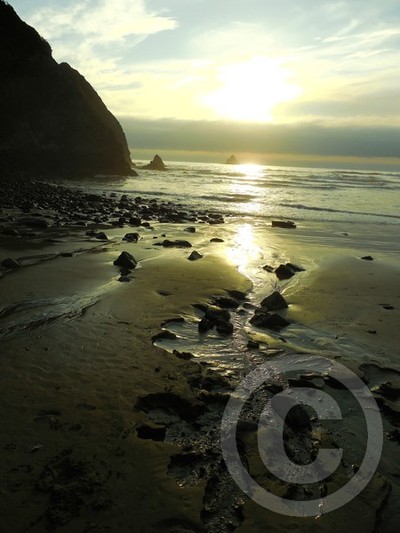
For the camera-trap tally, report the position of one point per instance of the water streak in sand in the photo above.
(28, 315)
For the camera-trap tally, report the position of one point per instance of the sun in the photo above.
(250, 90)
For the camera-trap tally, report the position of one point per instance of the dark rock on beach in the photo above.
(126, 260)
(194, 256)
(265, 319)
(283, 224)
(287, 271)
(174, 244)
(165, 334)
(274, 302)
(11, 263)
(131, 237)
(284, 272)
(367, 258)
(53, 123)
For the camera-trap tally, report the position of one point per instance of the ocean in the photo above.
(341, 215)
(303, 194)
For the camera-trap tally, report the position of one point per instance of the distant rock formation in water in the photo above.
(156, 164)
(52, 121)
(232, 161)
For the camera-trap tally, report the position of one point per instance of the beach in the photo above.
(112, 400)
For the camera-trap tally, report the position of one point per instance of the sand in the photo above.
(103, 431)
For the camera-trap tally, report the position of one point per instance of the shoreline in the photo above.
(96, 417)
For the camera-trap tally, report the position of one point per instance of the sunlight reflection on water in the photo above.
(244, 249)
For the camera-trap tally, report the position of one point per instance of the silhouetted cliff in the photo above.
(52, 121)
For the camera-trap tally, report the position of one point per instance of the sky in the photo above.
(287, 82)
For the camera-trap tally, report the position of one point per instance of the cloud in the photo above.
(301, 139)
(341, 56)
(100, 21)
(98, 37)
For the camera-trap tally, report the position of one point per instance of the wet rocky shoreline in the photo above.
(38, 212)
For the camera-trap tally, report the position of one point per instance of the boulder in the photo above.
(156, 164)
(284, 272)
(269, 320)
(274, 302)
(174, 244)
(101, 236)
(131, 237)
(224, 327)
(232, 160)
(126, 260)
(283, 224)
(10, 263)
(194, 256)
(226, 302)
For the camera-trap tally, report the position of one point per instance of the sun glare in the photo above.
(250, 90)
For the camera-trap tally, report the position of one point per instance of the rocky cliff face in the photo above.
(52, 122)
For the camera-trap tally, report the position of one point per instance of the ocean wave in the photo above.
(332, 210)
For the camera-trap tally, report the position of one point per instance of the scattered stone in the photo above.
(156, 433)
(101, 236)
(394, 435)
(224, 328)
(284, 272)
(124, 279)
(238, 295)
(367, 258)
(388, 307)
(161, 292)
(164, 335)
(126, 260)
(135, 221)
(216, 239)
(226, 302)
(194, 256)
(131, 237)
(283, 224)
(215, 218)
(205, 325)
(11, 263)
(253, 345)
(214, 314)
(190, 229)
(389, 389)
(295, 267)
(183, 355)
(274, 302)
(268, 268)
(298, 419)
(173, 244)
(269, 320)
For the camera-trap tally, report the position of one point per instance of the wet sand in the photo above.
(103, 431)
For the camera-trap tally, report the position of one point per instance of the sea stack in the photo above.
(53, 123)
(156, 164)
(232, 161)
